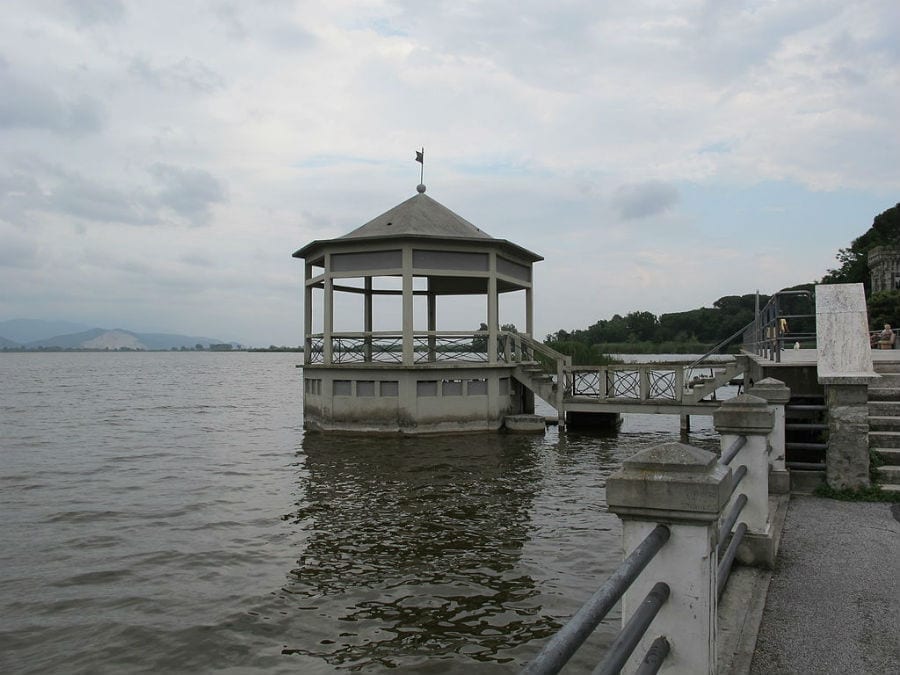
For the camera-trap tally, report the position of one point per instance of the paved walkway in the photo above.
(834, 600)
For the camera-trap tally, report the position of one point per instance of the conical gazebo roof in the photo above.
(419, 217)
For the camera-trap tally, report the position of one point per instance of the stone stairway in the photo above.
(533, 376)
(702, 386)
(884, 423)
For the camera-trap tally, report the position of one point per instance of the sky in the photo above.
(160, 161)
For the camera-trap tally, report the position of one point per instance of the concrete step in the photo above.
(882, 367)
(888, 380)
(891, 488)
(883, 423)
(884, 439)
(884, 408)
(890, 456)
(883, 394)
(889, 475)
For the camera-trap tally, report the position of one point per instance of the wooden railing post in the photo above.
(685, 488)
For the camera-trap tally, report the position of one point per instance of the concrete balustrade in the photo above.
(777, 395)
(686, 488)
(749, 416)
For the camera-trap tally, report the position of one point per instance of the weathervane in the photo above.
(420, 158)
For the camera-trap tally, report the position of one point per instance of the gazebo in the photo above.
(391, 373)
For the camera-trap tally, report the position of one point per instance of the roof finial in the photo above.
(420, 158)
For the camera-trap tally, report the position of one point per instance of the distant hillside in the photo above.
(23, 331)
(39, 334)
(101, 338)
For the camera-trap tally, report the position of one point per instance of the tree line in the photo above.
(701, 328)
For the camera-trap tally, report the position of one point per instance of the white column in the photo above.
(529, 312)
(432, 323)
(493, 317)
(777, 395)
(408, 355)
(328, 314)
(750, 417)
(367, 318)
(307, 311)
(685, 488)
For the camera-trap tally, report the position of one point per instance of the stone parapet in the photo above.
(669, 483)
(686, 488)
(744, 415)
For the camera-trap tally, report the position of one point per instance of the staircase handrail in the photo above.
(718, 347)
(541, 347)
(768, 328)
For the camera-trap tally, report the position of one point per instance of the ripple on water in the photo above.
(185, 523)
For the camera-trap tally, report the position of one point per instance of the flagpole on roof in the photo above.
(420, 158)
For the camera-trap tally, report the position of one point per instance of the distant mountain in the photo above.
(24, 331)
(101, 338)
(8, 344)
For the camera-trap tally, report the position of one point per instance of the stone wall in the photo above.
(884, 268)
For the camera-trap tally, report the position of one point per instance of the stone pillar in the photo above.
(432, 323)
(529, 312)
(367, 317)
(847, 456)
(493, 307)
(408, 341)
(328, 313)
(777, 395)
(750, 417)
(307, 312)
(685, 488)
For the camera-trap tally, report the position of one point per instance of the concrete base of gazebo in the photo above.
(410, 399)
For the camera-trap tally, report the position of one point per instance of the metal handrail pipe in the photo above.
(556, 653)
(733, 450)
(724, 569)
(633, 631)
(805, 446)
(719, 346)
(806, 466)
(739, 474)
(653, 661)
(731, 519)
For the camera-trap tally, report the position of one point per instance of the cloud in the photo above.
(27, 105)
(188, 192)
(93, 12)
(642, 200)
(18, 250)
(187, 72)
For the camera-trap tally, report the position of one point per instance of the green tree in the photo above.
(884, 307)
(854, 261)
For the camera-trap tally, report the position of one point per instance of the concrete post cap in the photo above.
(744, 415)
(774, 391)
(671, 482)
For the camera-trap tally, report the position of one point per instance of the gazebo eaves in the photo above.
(344, 242)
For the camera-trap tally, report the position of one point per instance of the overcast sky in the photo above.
(160, 161)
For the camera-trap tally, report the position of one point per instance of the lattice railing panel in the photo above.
(316, 350)
(588, 383)
(468, 348)
(624, 383)
(662, 385)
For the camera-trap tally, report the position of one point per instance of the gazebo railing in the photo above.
(386, 347)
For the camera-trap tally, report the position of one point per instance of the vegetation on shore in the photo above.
(698, 330)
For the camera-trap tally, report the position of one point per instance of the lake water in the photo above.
(165, 512)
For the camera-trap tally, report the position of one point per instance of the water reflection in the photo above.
(414, 547)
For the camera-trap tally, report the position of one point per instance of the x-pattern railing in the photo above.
(436, 347)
